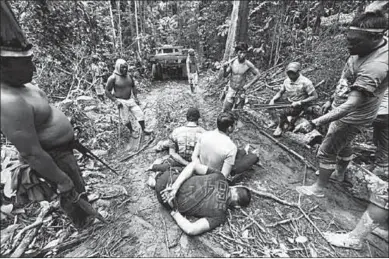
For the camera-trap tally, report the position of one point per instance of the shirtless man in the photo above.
(40, 132)
(125, 96)
(238, 69)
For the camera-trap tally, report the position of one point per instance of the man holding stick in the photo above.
(364, 79)
(40, 132)
(299, 91)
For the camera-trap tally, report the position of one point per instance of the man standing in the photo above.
(192, 68)
(296, 89)
(358, 97)
(96, 68)
(40, 132)
(182, 142)
(238, 68)
(125, 97)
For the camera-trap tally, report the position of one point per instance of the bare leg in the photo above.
(370, 219)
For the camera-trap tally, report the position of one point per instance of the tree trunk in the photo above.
(120, 39)
(242, 27)
(131, 22)
(229, 50)
(232, 32)
(136, 26)
(113, 26)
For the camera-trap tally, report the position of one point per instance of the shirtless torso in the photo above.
(35, 117)
(239, 73)
(123, 86)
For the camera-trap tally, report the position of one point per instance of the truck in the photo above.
(169, 61)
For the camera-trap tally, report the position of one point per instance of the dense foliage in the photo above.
(67, 35)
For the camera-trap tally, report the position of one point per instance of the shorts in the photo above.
(193, 78)
(130, 111)
(336, 144)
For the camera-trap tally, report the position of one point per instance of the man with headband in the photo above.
(238, 68)
(358, 97)
(296, 89)
(40, 132)
(125, 97)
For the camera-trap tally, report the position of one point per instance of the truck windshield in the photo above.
(168, 51)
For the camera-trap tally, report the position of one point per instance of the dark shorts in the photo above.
(381, 140)
(336, 144)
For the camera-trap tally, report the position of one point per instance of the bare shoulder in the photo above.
(12, 104)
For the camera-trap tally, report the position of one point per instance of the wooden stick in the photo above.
(25, 243)
(254, 221)
(318, 230)
(289, 220)
(137, 152)
(45, 208)
(269, 195)
(305, 161)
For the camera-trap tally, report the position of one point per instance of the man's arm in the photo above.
(108, 89)
(226, 69)
(177, 157)
(191, 228)
(255, 71)
(134, 90)
(229, 162)
(18, 126)
(354, 99)
(278, 94)
(312, 96)
(196, 152)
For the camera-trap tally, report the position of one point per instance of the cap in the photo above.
(13, 42)
(294, 67)
(191, 51)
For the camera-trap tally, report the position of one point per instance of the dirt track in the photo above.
(140, 227)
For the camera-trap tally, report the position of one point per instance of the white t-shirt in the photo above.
(215, 149)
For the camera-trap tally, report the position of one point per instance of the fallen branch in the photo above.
(254, 221)
(305, 161)
(64, 245)
(25, 243)
(285, 221)
(318, 230)
(45, 209)
(137, 152)
(270, 196)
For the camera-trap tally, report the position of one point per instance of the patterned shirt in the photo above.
(204, 196)
(297, 90)
(183, 140)
(369, 75)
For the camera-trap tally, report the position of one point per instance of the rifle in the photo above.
(86, 152)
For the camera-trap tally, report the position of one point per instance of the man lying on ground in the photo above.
(206, 196)
(182, 142)
(216, 150)
(299, 91)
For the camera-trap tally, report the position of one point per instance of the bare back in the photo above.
(239, 73)
(26, 113)
(122, 86)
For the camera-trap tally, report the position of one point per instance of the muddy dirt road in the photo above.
(140, 227)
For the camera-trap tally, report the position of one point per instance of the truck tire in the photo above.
(154, 71)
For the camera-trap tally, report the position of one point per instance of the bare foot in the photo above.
(343, 240)
(311, 190)
(337, 176)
